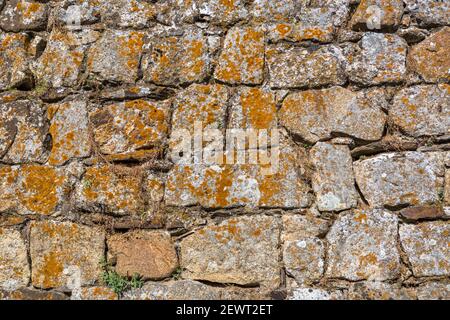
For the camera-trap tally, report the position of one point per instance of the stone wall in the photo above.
(89, 195)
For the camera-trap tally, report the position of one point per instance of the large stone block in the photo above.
(14, 268)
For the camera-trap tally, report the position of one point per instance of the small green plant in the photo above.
(87, 183)
(441, 195)
(116, 282)
(176, 275)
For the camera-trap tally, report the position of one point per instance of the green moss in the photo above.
(118, 283)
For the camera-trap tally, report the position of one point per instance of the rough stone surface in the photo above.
(297, 67)
(151, 254)
(22, 132)
(317, 114)
(15, 55)
(61, 62)
(430, 12)
(377, 14)
(395, 179)
(106, 191)
(422, 110)
(121, 49)
(63, 252)
(373, 290)
(379, 58)
(431, 58)
(69, 131)
(127, 127)
(362, 245)
(241, 250)
(426, 245)
(333, 180)
(242, 58)
(21, 15)
(14, 268)
(177, 60)
(309, 293)
(324, 131)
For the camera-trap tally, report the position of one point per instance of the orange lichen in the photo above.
(40, 188)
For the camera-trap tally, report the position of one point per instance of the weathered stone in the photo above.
(296, 226)
(32, 189)
(317, 114)
(447, 188)
(74, 13)
(434, 291)
(31, 294)
(177, 60)
(377, 14)
(64, 252)
(373, 290)
(127, 127)
(417, 213)
(253, 108)
(69, 131)
(242, 58)
(363, 246)
(14, 60)
(431, 58)
(127, 13)
(220, 12)
(102, 189)
(422, 110)
(118, 48)
(237, 185)
(95, 293)
(304, 259)
(426, 245)
(241, 250)
(430, 12)
(205, 103)
(333, 180)
(301, 67)
(307, 293)
(395, 179)
(174, 290)
(380, 58)
(41, 189)
(150, 254)
(21, 15)
(22, 132)
(60, 64)
(14, 268)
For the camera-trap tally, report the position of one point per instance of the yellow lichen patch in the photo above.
(51, 270)
(116, 193)
(258, 108)
(40, 188)
(130, 47)
(242, 59)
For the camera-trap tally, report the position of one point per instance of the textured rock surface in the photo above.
(14, 268)
(121, 49)
(363, 246)
(426, 246)
(338, 186)
(316, 114)
(239, 250)
(431, 58)
(400, 178)
(69, 131)
(380, 58)
(377, 14)
(151, 254)
(422, 110)
(62, 252)
(242, 59)
(297, 67)
(333, 180)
